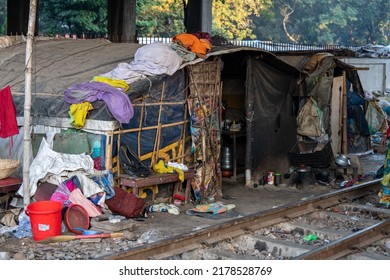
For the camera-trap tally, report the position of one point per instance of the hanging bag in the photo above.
(309, 119)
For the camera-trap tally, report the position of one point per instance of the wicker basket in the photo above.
(7, 167)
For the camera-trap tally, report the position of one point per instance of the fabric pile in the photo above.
(163, 168)
(118, 102)
(150, 60)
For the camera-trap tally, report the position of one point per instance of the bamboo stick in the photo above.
(158, 130)
(118, 163)
(140, 127)
(27, 102)
(159, 103)
(108, 161)
(149, 127)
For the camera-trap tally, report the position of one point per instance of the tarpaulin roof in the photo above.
(61, 63)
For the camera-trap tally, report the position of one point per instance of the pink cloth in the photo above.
(77, 197)
(63, 191)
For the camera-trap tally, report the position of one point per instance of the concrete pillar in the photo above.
(17, 17)
(198, 16)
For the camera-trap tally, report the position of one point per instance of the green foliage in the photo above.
(344, 22)
(3, 17)
(72, 16)
(232, 18)
(160, 17)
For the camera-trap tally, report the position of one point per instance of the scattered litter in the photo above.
(164, 207)
(307, 197)
(150, 236)
(22, 230)
(115, 219)
(310, 237)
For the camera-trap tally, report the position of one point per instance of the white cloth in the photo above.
(54, 166)
(181, 166)
(150, 60)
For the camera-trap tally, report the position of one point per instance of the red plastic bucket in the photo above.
(45, 219)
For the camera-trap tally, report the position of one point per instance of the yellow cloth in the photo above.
(112, 82)
(78, 114)
(161, 167)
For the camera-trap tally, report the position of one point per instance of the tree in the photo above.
(232, 18)
(344, 22)
(160, 17)
(3, 17)
(73, 16)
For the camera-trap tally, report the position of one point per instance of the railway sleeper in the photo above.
(305, 229)
(341, 217)
(280, 249)
(366, 256)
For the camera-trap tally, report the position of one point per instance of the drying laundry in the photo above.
(150, 60)
(8, 123)
(120, 84)
(78, 114)
(118, 103)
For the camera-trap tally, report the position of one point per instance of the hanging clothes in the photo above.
(8, 123)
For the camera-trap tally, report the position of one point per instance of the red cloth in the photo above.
(8, 123)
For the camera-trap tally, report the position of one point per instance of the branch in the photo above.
(286, 12)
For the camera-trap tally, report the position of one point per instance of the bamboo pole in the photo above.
(27, 102)
(182, 147)
(109, 140)
(140, 127)
(159, 103)
(149, 127)
(344, 149)
(158, 130)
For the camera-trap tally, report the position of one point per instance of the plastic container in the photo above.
(45, 219)
(76, 217)
(311, 154)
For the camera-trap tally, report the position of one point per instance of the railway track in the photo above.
(339, 225)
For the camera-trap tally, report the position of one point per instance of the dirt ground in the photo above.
(159, 225)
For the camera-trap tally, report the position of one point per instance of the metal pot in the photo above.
(226, 159)
(342, 161)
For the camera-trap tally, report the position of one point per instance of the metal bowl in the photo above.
(342, 161)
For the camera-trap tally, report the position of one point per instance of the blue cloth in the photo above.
(106, 181)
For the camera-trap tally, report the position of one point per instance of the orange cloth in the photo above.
(199, 46)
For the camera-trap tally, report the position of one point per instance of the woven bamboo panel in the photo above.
(205, 77)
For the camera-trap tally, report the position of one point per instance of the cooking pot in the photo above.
(342, 161)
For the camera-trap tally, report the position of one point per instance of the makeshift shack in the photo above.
(239, 97)
(336, 88)
(160, 125)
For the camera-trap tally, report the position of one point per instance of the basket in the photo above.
(7, 167)
(311, 154)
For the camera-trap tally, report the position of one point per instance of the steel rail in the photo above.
(348, 244)
(192, 240)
